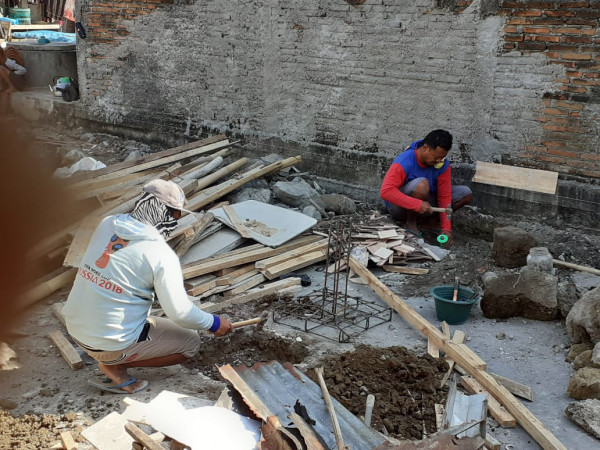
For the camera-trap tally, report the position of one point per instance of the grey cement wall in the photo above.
(369, 79)
(44, 62)
(347, 87)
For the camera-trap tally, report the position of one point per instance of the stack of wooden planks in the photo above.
(196, 167)
(390, 246)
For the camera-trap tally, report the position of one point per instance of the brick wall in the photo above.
(566, 33)
(349, 83)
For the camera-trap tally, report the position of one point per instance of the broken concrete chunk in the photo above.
(585, 384)
(584, 359)
(250, 193)
(339, 204)
(583, 321)
(294, 193)
(511, 246)
(567, 296)
(311, 211)
(530, 294)
(586, 415)
(577, 349)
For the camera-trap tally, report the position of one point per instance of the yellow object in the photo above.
(440, 164)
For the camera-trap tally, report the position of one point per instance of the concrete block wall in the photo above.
(349, 83)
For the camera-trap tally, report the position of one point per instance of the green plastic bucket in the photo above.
(453, 312)
(23, 15)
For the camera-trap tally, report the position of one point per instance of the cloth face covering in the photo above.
(151, 211)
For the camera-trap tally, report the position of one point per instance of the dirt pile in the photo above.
(405, 386)
(33, 431)
(245, 346)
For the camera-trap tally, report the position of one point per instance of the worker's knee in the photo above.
(422, 190)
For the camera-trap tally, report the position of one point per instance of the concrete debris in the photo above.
(296, 193)
(260, 194)
(583, 321)
(577, 349)
(584, 359)
(511, 246)
(567, 296)
(339, 204)
(586, 414)
(585, 384)
(311, 211)
(530, 294)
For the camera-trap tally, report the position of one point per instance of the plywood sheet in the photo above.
(267, 224)
(535, 180)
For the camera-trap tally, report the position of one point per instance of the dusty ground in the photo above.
(47, 397)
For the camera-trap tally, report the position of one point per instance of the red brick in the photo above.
(575, 90)
(574, 5)
(536, 148)
(576, 56)
(568, 105)
(590, 173)
(536, 46)
(574, 74)
(536, 30)
(528, 13)
(519, 22)
(554, 112)
(587, 13)
(567, 30)
(559, 13)
(517, 5)
(508, 29)
(590, 157)
(546, 38)
(563, 47)
(513, 37)
(592, 75)
(540, 5)
(588, 32)
(575, 114)
(549, 159)
(576, 39)
(554, 144)
(554, 128)
(508, 46)
(553, 55)
(564, 153)
(581, 22)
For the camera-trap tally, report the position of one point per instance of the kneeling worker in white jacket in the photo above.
(126, 265)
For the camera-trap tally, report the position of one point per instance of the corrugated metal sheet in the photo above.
(279, 387)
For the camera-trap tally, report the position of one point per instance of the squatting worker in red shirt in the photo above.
(420, 177)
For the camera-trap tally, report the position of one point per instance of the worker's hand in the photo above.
(224, 328)
(425, 208)
(450, 241)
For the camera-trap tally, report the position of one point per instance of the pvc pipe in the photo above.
(369, 409)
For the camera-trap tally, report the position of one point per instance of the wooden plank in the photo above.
(241, 258)
(236, 222)
(141, 437)
(68, 443)
(404, 248)
(67, 351)
(496, 410)
(254, 294)
(190, 235)
(528, 421)
(387, 234)
(244, 285)
(432, 349)
(278, 259)
(155, 159)
(406, 270)
(445, 329)
(491, 443)
(514, 387)
(439, 416)
(57, 311)
(459, 337)
(58, 279)
(209, 195)
(515, 177)
(384, 253)
(297, 263)
(558, 262)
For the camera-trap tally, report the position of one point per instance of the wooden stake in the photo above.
(67, 351)
(336, 426)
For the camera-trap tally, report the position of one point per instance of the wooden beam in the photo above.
(528, 421)
(406, 270)
(68, 443)
(514, 387)
(496, 410)
(254, 294)
(275, 271)
(67, 351)
(459, 337)
(141, 437)
(241, 257)
(515, 177)
(154, 159)
(189, 236)
(558, 262)
(57, 280)
(283, 257)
